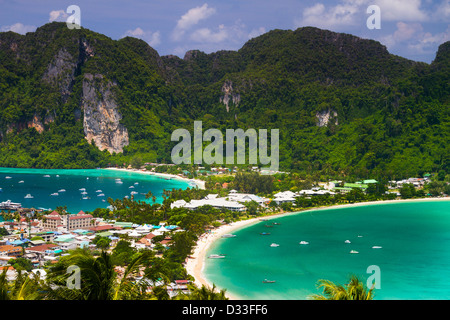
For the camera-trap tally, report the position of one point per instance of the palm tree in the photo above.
(203, 293)
(99, 281)
(354, 290)
(23, 288)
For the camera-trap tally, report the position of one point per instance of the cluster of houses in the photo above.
(233, 201)
(54, 235)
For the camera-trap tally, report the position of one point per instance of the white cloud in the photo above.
(256, 32)
(191, 18)
(58, 15)
(353, 12)
(414, 39)
(343, 14)
(18, 28)
(206, 35)
(442, 11)
(401, 10)
(152, 38)
(426, 42)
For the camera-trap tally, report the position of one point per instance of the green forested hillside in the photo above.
(387, 116)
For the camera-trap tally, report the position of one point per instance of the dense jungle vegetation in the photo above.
(389, 116)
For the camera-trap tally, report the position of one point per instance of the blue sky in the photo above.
(409, 28)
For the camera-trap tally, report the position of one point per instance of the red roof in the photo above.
(42, 247)
(80, 215)
(54, 215)
(102, 227)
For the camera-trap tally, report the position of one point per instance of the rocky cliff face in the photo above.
(324, 117)
(101, 115)
(227, 90)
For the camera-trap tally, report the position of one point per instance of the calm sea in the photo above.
(46, 187)
(413, 261)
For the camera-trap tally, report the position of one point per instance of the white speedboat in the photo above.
(101, 195)
(304, 242)
(274, 245)
(82, 189)
(377, 247)
(228, 235)
(99, 191)
(353, 251)
(347, 241)
(134, 192)
(47, 176)
(8, 177)
(216, 256)
(62, 190)
(55, 194)
(21, 181)
(29, 196)
(131, 187)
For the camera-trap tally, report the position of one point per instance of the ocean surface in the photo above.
(46, 187)
(412, 253)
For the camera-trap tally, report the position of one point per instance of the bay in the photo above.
(412, 252)
(80, 189)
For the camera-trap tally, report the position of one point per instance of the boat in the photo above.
(85, 198)
(8, 205)
(29, 196)
(119, 181)
(264, 233)
(131, 187)
(377, 247)
(274, 245)
(21, 181)
(347, 241)
(268, 281)
(55, 194)
(8, 177)
(228, 235)
(99, 191)
(136, 183)
(276, 223)
(47, 176)
(216, 256)
(304, 242)
(84, 192)
(1, 190)
(82, 189)
(134, 192)
(101, 195)
(62, 190)
(353, 251)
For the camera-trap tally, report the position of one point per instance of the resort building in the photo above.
(210, 200)
(10, 250)
(55, 221)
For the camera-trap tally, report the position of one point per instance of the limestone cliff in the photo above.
(227, 90)
(324, 117)
(101, 119)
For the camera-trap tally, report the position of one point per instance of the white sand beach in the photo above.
(195, 264)
(199, 183)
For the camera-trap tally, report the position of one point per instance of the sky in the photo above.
(413, 29)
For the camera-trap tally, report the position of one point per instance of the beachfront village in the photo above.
(149, 244)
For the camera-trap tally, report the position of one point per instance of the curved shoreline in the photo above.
(196, 262)
(199, 183)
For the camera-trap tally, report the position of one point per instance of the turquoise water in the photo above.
(42, 183)
(414, 258)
